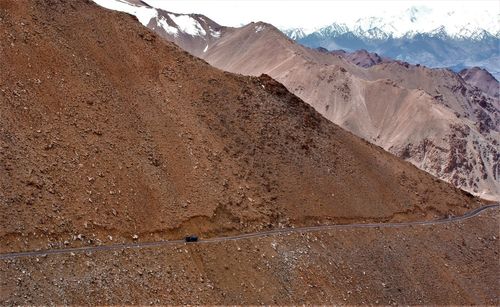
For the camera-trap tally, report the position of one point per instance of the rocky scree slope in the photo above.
(430, 117)
(109, 133)
(360, 57)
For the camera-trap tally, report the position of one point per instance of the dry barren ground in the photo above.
(454, 263)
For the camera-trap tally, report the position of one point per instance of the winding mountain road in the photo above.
(137, 245)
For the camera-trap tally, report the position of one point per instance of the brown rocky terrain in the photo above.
(429, 117)
(454, 264)
(109, 134)
(101, 141)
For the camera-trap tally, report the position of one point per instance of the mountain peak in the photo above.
(482, 79)
(263, 27)
(294, 34)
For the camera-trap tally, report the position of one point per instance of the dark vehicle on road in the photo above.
(191, 238)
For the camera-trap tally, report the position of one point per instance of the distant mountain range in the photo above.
(437, 42)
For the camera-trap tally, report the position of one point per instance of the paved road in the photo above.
(261, 234)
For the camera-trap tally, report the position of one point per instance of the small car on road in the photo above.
(191, 238)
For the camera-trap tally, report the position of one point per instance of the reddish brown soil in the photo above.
(107, 131)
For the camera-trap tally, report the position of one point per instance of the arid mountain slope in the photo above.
(361, 57)
(108, 131)
(430, 117)
(482, 79)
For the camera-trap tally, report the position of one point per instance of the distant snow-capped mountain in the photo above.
(295, 34)
(412, 21)
(418, 35)
(425, 20)
(189, 31)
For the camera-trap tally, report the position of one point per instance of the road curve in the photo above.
(137, 245)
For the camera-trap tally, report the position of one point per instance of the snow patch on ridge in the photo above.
(143, 14)
(295, 34)
(259, 28)
(188, 25)
(214, 33)
(162, 22)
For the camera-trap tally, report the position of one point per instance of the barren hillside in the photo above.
(432, 118)
(110, 134)
(429, 117)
